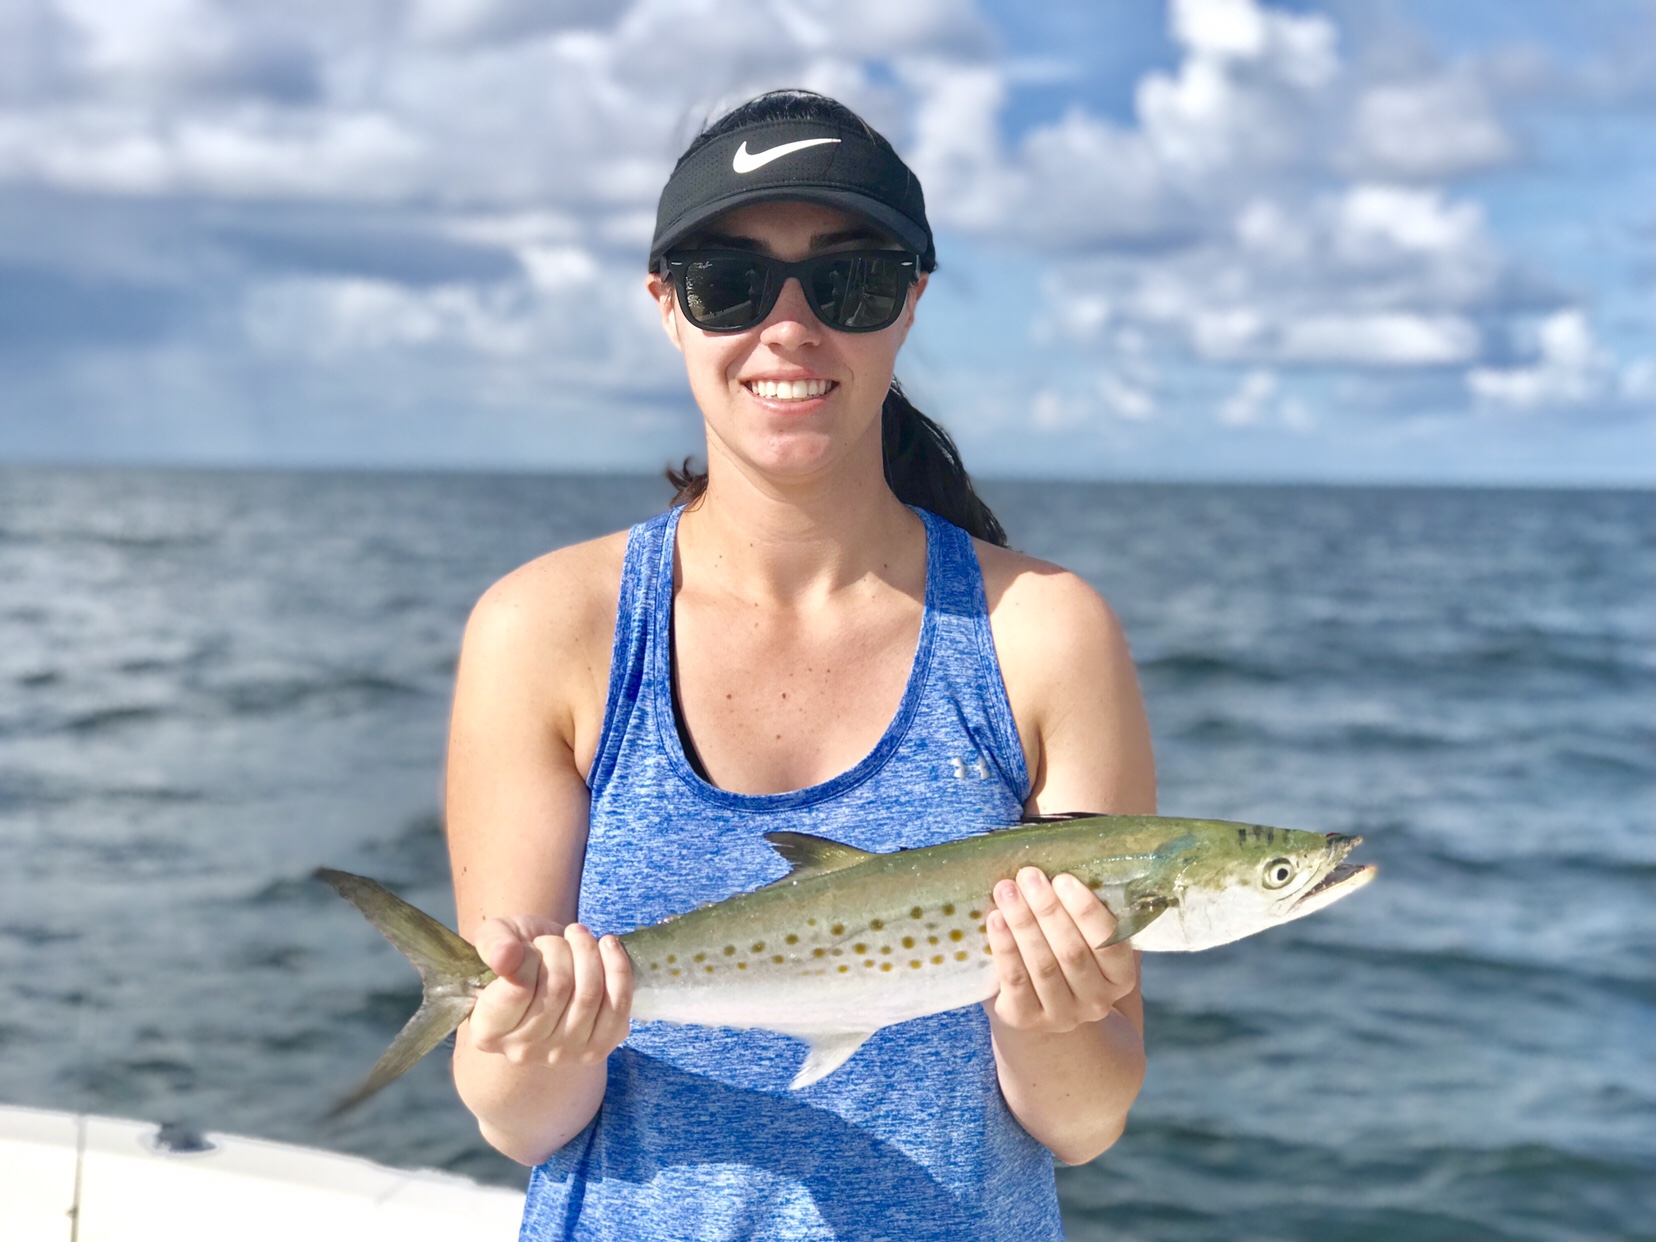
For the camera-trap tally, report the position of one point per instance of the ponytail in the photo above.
(922, 466)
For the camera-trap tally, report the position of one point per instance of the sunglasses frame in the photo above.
(675, 265)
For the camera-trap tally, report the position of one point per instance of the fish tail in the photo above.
(450, 968)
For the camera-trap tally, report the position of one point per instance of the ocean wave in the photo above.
(1506, 974)
(337, 692)
(104, 719)
(1179, 1182)
(292, 890)
(125, 541)
(36, 937)
(1167, 1026)
(1207, 667)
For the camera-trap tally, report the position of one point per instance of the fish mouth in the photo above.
(1342, 880)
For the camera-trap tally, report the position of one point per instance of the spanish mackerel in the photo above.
(849, 942)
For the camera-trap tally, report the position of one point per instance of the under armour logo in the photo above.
(977, 768)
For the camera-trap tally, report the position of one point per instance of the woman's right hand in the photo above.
(563, 996)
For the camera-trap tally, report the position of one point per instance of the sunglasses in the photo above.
(848, 290)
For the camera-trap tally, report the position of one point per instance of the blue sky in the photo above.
(1396, 241)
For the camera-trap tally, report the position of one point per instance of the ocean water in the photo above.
(210, 683)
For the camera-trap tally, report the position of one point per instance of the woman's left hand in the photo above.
(1048, 938)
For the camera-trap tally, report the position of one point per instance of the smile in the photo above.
(790, 390)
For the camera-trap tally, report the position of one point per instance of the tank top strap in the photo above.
(649, 544)
(965, 651)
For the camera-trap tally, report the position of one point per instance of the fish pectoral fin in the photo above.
(1140, 914)
(807, 855)
(828, 1052)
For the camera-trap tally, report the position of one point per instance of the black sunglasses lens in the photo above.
(859, 291)
(723, 292)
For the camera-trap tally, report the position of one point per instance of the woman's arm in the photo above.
(529, 698)
(1068, 1022)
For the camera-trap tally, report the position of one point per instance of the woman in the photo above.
(792, 646)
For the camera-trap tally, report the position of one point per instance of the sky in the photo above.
(1389, 241)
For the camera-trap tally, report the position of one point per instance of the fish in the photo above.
(849, 942)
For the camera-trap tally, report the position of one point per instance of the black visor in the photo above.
(809, 161)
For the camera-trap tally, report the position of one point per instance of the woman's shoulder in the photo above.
(1046, 602)
(1055, 636)
(1070, 681)
(555, 607)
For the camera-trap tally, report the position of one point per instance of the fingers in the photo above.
(1042, 934)
(569, 1000)
(503, 1005)
(616, 1015)
(586, 987)
(1096, 925)
(500, 946)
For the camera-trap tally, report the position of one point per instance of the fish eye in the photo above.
(1278, 872)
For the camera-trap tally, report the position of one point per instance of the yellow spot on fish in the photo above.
(908, 942)
(983, 929)
(917, 913)
(675, 971)
(655, 965)
(885, 965)
(859, 948)
(961, 956)
(671, 958)
(975, 914)
(938, 960)
(987, 949)
(870, 962)
(876, 924)
(819, 952)
(931, 939)
(701, 957)
(730, 950)
(835, 952)
(885, 948)
(957, 934)
(1095, 884)
(758, 946)
(810, 922)
(843, 969)
(915, 964)
(791, 938)
(709, 970)
(948, 907)
(777, 958)
(741, 965)
(838, 929)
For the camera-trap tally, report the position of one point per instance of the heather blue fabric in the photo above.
(699, 1136)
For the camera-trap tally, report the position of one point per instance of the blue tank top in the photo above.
(699, 1136)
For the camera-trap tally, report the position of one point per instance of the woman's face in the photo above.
(732, 373)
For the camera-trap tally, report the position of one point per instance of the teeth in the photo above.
(789, 390)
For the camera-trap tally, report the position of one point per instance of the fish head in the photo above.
(1242, 879)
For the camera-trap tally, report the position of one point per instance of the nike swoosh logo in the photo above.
(745, 163)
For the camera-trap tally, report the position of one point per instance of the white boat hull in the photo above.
(65, 1177)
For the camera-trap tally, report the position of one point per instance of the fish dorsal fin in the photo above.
(807, 855)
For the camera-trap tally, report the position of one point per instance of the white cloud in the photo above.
(1127, 400)
(1570, 368)
(1386, 339)
(1437, 127)
(1271, 205)
(1246, 404)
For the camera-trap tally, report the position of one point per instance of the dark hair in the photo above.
(922, 464)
